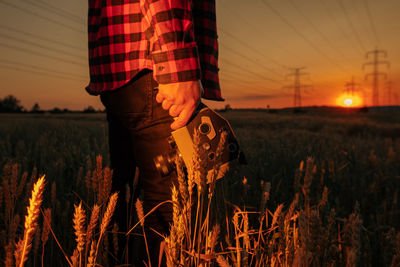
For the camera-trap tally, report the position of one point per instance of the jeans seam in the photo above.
(149, 95)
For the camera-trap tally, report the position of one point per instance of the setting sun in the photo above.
(346, 100)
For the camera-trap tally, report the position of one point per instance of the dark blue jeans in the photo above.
(138, 131)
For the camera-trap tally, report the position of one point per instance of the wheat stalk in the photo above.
(235, 221)
(97, 178)
(214, 237)
(115, 238)
(36, 241)
(46, 230)
(324, 198)
(91, 226)
(88, 180)
(7, 199)
(14, 180)
(246, 239)
(183, 189)
(178, 225)
(106, 220)
(8, 262)
(79, 226)
(196, 171)
(21, 184)
(276, 215)
(222, 262)
(46, 226)
(139, 210)
(292, 207)
(109, 212)
(75, 258)
(92, 223)
(13, 227)
(308, 176)
(106, 185)
(140, 213)
(91, 255)
(24, 245)
(266, 187)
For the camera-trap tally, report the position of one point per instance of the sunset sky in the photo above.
(43, 46)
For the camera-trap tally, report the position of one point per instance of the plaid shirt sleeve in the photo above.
(168, 26)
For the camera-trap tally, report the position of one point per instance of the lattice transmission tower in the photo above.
(375, 74)
(297, 86)
(351, 87)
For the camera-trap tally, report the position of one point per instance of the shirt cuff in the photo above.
(178, 65)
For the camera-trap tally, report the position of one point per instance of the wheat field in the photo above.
(321, 188)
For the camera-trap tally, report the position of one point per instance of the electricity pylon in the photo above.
(351, 87)
(375, 73)
(297, 86)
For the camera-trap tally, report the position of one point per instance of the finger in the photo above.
(166, 104)
(159, 98)
(183, 118)
(175, 110)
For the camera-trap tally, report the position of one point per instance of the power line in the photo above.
(317, 30)
(38, 73)
(14, 30)
(336, 23)
(316, 48)
(253, 49)
(60, 9)
(259, 29)
(57, 11)
(249, 71)
(40, 46)
(351, 25)
(31, 52)
(376, 74)
(249, 59)
(35, 67)
(359, 17)
(371, 21)
(237, 78)
(40, 16)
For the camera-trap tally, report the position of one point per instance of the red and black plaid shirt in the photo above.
(176, 39)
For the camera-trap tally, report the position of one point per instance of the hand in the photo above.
(181, 99)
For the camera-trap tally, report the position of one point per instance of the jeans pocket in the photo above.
(132, 100)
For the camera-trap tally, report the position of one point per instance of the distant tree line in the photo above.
(10, 104)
